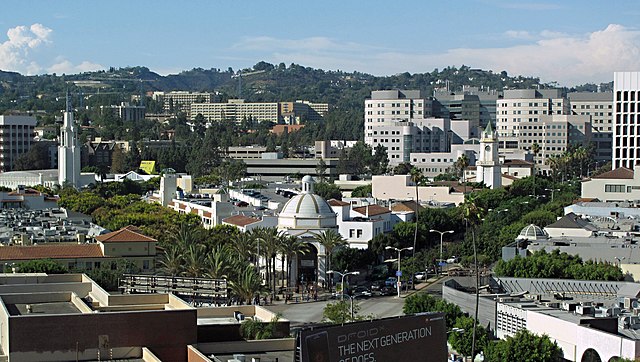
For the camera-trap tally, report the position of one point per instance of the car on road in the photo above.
(420, 276)
(452, 260)
(391, 282)
(361, 291)
(387, 291)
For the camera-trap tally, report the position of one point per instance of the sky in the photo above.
(571, 42)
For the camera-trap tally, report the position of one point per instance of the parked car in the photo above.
(387, 291)
(452, 260)
(420, 276)
(391, 282)
(242, 204)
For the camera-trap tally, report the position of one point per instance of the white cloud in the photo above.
(21, 41)
(552, 56)
(17, 52)
(65, 66)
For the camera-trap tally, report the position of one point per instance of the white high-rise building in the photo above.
(69, 151)
(626, 120)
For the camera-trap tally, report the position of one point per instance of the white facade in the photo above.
(69, 151)
(211, 216)
(621, 184)
(626, 113)
(400, 187)
(488, 165)
(358, 225)
(599, 106)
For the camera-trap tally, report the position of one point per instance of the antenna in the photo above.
(68, 107)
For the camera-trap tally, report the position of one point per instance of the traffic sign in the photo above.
(442, 263)
(399, 273)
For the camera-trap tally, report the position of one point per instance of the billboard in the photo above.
(148, 166)
(419, 337)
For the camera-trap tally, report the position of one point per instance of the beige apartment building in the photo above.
(181, 100)
(600, 107)
(237, 110)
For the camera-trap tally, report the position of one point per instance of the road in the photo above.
(311, 312)
(379, 307)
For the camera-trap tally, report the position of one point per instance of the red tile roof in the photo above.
(240, 220)
(334, 202)
(405, 206)
(51, 251)
(517, 163)
(619, 173)
(371, 210)
(128, 234)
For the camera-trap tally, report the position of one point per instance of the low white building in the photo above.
(247, 223)
(400, 187)
(211, 213)
(358, 225)
(621, 184)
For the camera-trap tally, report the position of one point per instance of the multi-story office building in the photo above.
(127, 112)
(477, 106)
(529, 116)
(237, 110)
(626, 120)
(16, 137)
(600, 107)
(181, 100)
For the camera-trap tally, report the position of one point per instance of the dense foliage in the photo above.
(39, 266)
(524, 346)
(557, 265)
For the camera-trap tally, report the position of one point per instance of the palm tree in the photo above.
(461, 164)
(473, 214)
(186, 235)
(172, 260)
(269, 239)
(535, 148)
(329, 239)
(416, 177)
(194, 260)
(247, 284)
(219, 263)
(290, 247)
(244, 245)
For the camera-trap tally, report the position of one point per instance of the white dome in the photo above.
(308, 206)
(532, 232)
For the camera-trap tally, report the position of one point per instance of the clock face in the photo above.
(487, 149)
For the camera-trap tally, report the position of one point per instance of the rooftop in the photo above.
(128, 234)
(621, 173)
(51, 251)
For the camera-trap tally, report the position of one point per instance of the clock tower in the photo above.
(488, 165)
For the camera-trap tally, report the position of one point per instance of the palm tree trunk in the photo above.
(475, 318)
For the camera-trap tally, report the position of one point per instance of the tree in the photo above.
(329, 239)
(472, 340)
(40, 266)
(118, 161)
(461, 165)
(321, 169)
(340, 312)
(403, 169)
(327, 191)
(171, 261)
(37, 158)
(416, 178)
(290, 247)
(524, 346)
(380, 161)
(535, 148)
(362, 191)
(247, 284)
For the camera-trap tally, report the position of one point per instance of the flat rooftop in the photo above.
(42, 308)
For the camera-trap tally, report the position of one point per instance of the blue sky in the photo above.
(572, 42)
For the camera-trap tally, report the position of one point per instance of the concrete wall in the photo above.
(466, 302)
(267, 345)
(398, 188)
(4, 328)
(193, 355)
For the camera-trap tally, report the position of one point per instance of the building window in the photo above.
(145, 264)
(614, 188)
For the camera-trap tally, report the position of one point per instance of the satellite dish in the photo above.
(634, 304)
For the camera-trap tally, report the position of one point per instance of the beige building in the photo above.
(126, 112)
(400, 187)
(127, 243)
(599, 106)
(621, 184)
(237, 110)
(181, 100)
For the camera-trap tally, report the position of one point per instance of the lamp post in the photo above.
(441, 236)
(619, 260)
(398, 275)
(552, 192)
(343, 275)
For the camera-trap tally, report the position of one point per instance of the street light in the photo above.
(352, 297)
(619, 260)
(343, 275)
(552, 192)
(441, 236)
(399, 273)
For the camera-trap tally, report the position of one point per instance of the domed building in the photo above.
(532, 232)
(305, 216)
